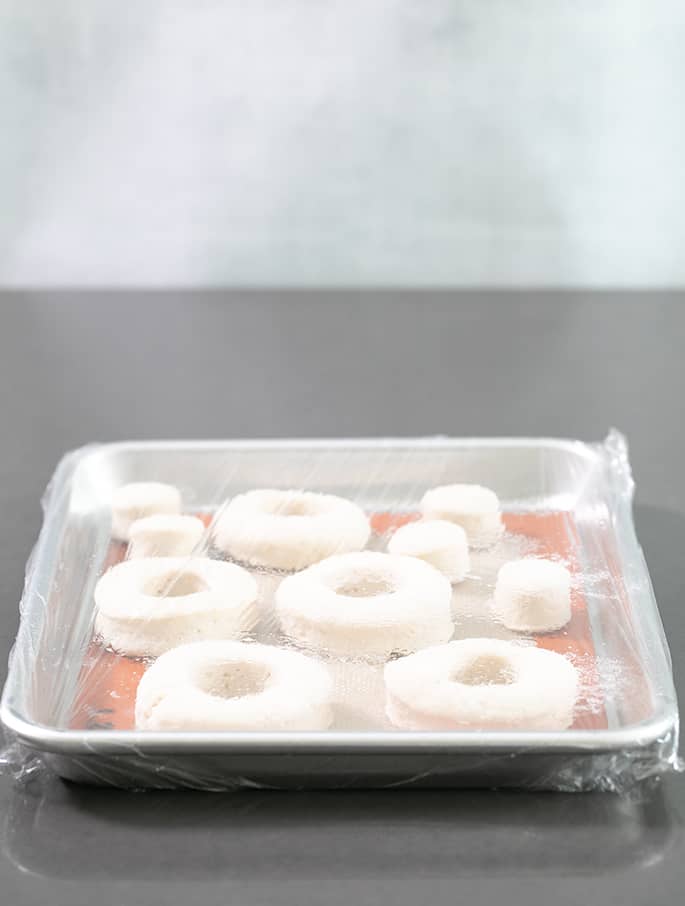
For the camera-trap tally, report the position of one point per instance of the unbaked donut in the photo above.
(234, 686)
(481, 684)
(139, 499)
(289, 529)
(475, 508)
(442, 544)
(164, 535)
(533, 595)
(147, 606)
(366, 604)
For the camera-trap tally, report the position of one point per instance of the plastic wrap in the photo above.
(70, 697)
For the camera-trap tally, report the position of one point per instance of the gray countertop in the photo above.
(76, 368)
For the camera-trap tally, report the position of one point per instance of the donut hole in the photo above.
(367, 586)
(291, 505)
(233, 680)
(295, 508)
(175, 584)
(485, 670)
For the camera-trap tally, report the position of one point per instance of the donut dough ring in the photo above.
(442, 544)
(147, 606)
(222, 685)
(366, 604)
(139, 499)
(485, 684)
(289, 530)
(475, 508)
(165, 535)
(533, 595)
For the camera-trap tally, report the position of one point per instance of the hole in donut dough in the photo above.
(486, 670)
(233, 680)
(295, 508)
(365, 586)
(175, 585)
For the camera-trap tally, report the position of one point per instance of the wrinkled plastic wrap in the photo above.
(70, 698)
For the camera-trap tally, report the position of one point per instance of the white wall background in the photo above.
(342, 142)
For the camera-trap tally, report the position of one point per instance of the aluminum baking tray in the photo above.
(71, 700)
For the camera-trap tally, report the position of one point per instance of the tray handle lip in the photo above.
(656, 656)
(148, 743)
(568, 444)
(52, 501)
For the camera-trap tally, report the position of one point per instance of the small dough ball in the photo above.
(165, 536)
(481, 684)
(134, 501)
(289, 529)
(442, 544)
(475, 508)
(225, 685)
(533, 595)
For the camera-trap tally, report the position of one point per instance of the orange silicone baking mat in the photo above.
(106, 691)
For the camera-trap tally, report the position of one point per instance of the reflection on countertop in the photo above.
(186, 835)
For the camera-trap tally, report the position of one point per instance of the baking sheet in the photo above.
(571, 501)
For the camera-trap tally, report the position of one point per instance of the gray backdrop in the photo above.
(346, 142)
